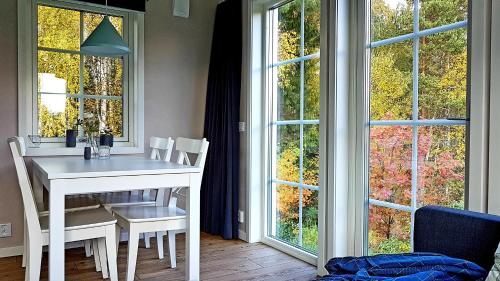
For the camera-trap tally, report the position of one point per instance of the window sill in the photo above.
(288, 249)
(59, 150)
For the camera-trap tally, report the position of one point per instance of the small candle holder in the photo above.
(104, 152)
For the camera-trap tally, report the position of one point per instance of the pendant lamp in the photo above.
(105, 40)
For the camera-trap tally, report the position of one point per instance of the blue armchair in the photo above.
(456, 233)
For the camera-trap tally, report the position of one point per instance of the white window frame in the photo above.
(133, 83)
(336, 147)
(257, 104)
(272, 93)
(475, 102)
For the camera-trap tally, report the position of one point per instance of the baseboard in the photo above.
(242, 235)
(11, 251)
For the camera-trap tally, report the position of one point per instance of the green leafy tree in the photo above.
(60, 29)
(289, 108)
(442, 94)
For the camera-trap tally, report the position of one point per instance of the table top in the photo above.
(77, 167)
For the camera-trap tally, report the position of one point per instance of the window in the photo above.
(66, 84)
(294, 92)
(418, 113)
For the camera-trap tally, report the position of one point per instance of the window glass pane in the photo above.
(103, 76)
(288, 96)
(312, 10)
(294, 90)
(109, 112)
(58, 28)
(435, 13)
(58, 72)
(288, 152)
(285, 214)
(390, 164)
(443, 75)
(56, 113)
(391, 18)
(311, 89)
(389, 231)
(310, 220)
(391, 82)
(311, 155)
(92, 20)
(289, 30)
(439, 158)
(441, 165)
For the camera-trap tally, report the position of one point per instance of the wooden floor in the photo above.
(221, 260)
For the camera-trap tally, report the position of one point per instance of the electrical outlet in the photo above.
(241, 216)
(241, 126)
(5, 230)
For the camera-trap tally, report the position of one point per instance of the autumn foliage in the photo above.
(409, 165)
(415, 165)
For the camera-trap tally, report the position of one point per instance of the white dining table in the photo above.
(63, 176)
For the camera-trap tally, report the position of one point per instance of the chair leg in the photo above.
(133, 245)
(25, 242)
(147, 240)
(171, 248)
(111, 251)
(159, 244)
(117, 237)
(101, 243)
(88, 250)
(96, 255)
(34, 262)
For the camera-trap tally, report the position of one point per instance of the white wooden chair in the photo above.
(79, 225)
(161, 149)
(72, 203)
(145, 198)
(141, 219)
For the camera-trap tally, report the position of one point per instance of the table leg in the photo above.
(56, 229)
(193, 228)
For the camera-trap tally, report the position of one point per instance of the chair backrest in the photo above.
(161, 144)
(18, 149)
(186, 146)
(158, 145)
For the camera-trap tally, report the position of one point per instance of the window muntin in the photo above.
(418, 115)
(294, 91)
(69, 83)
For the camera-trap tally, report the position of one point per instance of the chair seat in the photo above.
(124, 199)
(81, 203)
(148, 213)
(77, 203)
(82, 219)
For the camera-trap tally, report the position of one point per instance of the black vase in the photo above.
(71, 138)
(106, 140)
(87, 153)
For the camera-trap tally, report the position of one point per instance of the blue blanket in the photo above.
(403, 267)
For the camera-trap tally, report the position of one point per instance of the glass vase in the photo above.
(92, 140)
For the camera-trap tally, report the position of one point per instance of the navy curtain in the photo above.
(219, 189)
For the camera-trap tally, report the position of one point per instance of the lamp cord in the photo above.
(106, 7)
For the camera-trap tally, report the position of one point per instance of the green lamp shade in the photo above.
(105, 41)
